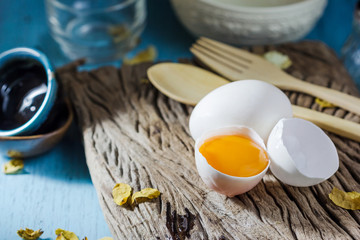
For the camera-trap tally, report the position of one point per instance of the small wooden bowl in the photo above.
(29, 146)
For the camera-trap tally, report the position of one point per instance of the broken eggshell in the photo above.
(302, 154)
(252, 103)
(221, 182)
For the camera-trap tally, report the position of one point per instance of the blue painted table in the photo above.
(56, 191)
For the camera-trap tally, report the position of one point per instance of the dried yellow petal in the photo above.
(13, 166)
(119, 32)
(60, 237)
(147, 55)
(106, 238)
(323, 103)
(144, 81)
(65, 235)
(85, 238)
(121, 193)
(14, 154)
(117, 29)
(144, 195)
(347, 200)
(29, 234)
(278, 59)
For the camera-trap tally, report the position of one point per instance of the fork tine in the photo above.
(240, 62)
(215, 65)
(218, 57)
(247, 56)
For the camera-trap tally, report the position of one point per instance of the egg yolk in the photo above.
(235, 155)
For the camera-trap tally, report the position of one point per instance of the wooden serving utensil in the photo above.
(237, 64)
(189, 84)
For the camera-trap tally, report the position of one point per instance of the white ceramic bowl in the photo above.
(249, 22)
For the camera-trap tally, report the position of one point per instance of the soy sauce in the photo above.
(23, 85)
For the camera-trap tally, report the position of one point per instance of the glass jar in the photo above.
(350, 52)
(97, 30)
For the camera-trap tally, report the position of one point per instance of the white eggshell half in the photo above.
(218, 181)
(301, 153)
(253, 103)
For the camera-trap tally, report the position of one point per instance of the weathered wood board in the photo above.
(133, 134)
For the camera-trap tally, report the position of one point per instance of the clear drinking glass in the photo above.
(350, 52)
(98, 30)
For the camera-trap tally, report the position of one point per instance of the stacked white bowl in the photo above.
(249, 22)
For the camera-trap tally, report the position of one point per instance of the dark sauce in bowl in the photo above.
(56, 118)
(23, 85)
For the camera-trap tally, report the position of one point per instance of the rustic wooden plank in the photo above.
(134, 134)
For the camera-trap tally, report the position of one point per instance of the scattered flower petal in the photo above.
(144, 195)
(13, 166)
(29, 234)
(323, 103)
(65, 235)
(347, 200)
(147, 55)
(278, 59)
(144, 81)
(121, 193)
(14, 154)
(119, 32)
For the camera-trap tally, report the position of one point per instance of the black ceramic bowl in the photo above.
(28, 91)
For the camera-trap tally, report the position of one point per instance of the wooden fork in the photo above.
(237, 64)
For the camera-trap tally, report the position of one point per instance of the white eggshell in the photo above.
(218, 181)
(253, 103)
(301, 153)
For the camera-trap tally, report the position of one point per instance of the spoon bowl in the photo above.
(183, 82)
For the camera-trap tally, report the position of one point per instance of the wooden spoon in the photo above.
(188, 84)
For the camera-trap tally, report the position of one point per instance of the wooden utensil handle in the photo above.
(335, 97)
(330, 123)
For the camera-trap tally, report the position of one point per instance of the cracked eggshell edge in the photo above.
(218, 181)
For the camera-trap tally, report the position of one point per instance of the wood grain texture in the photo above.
(134, 134)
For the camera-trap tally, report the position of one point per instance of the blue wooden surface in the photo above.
(56, 191)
